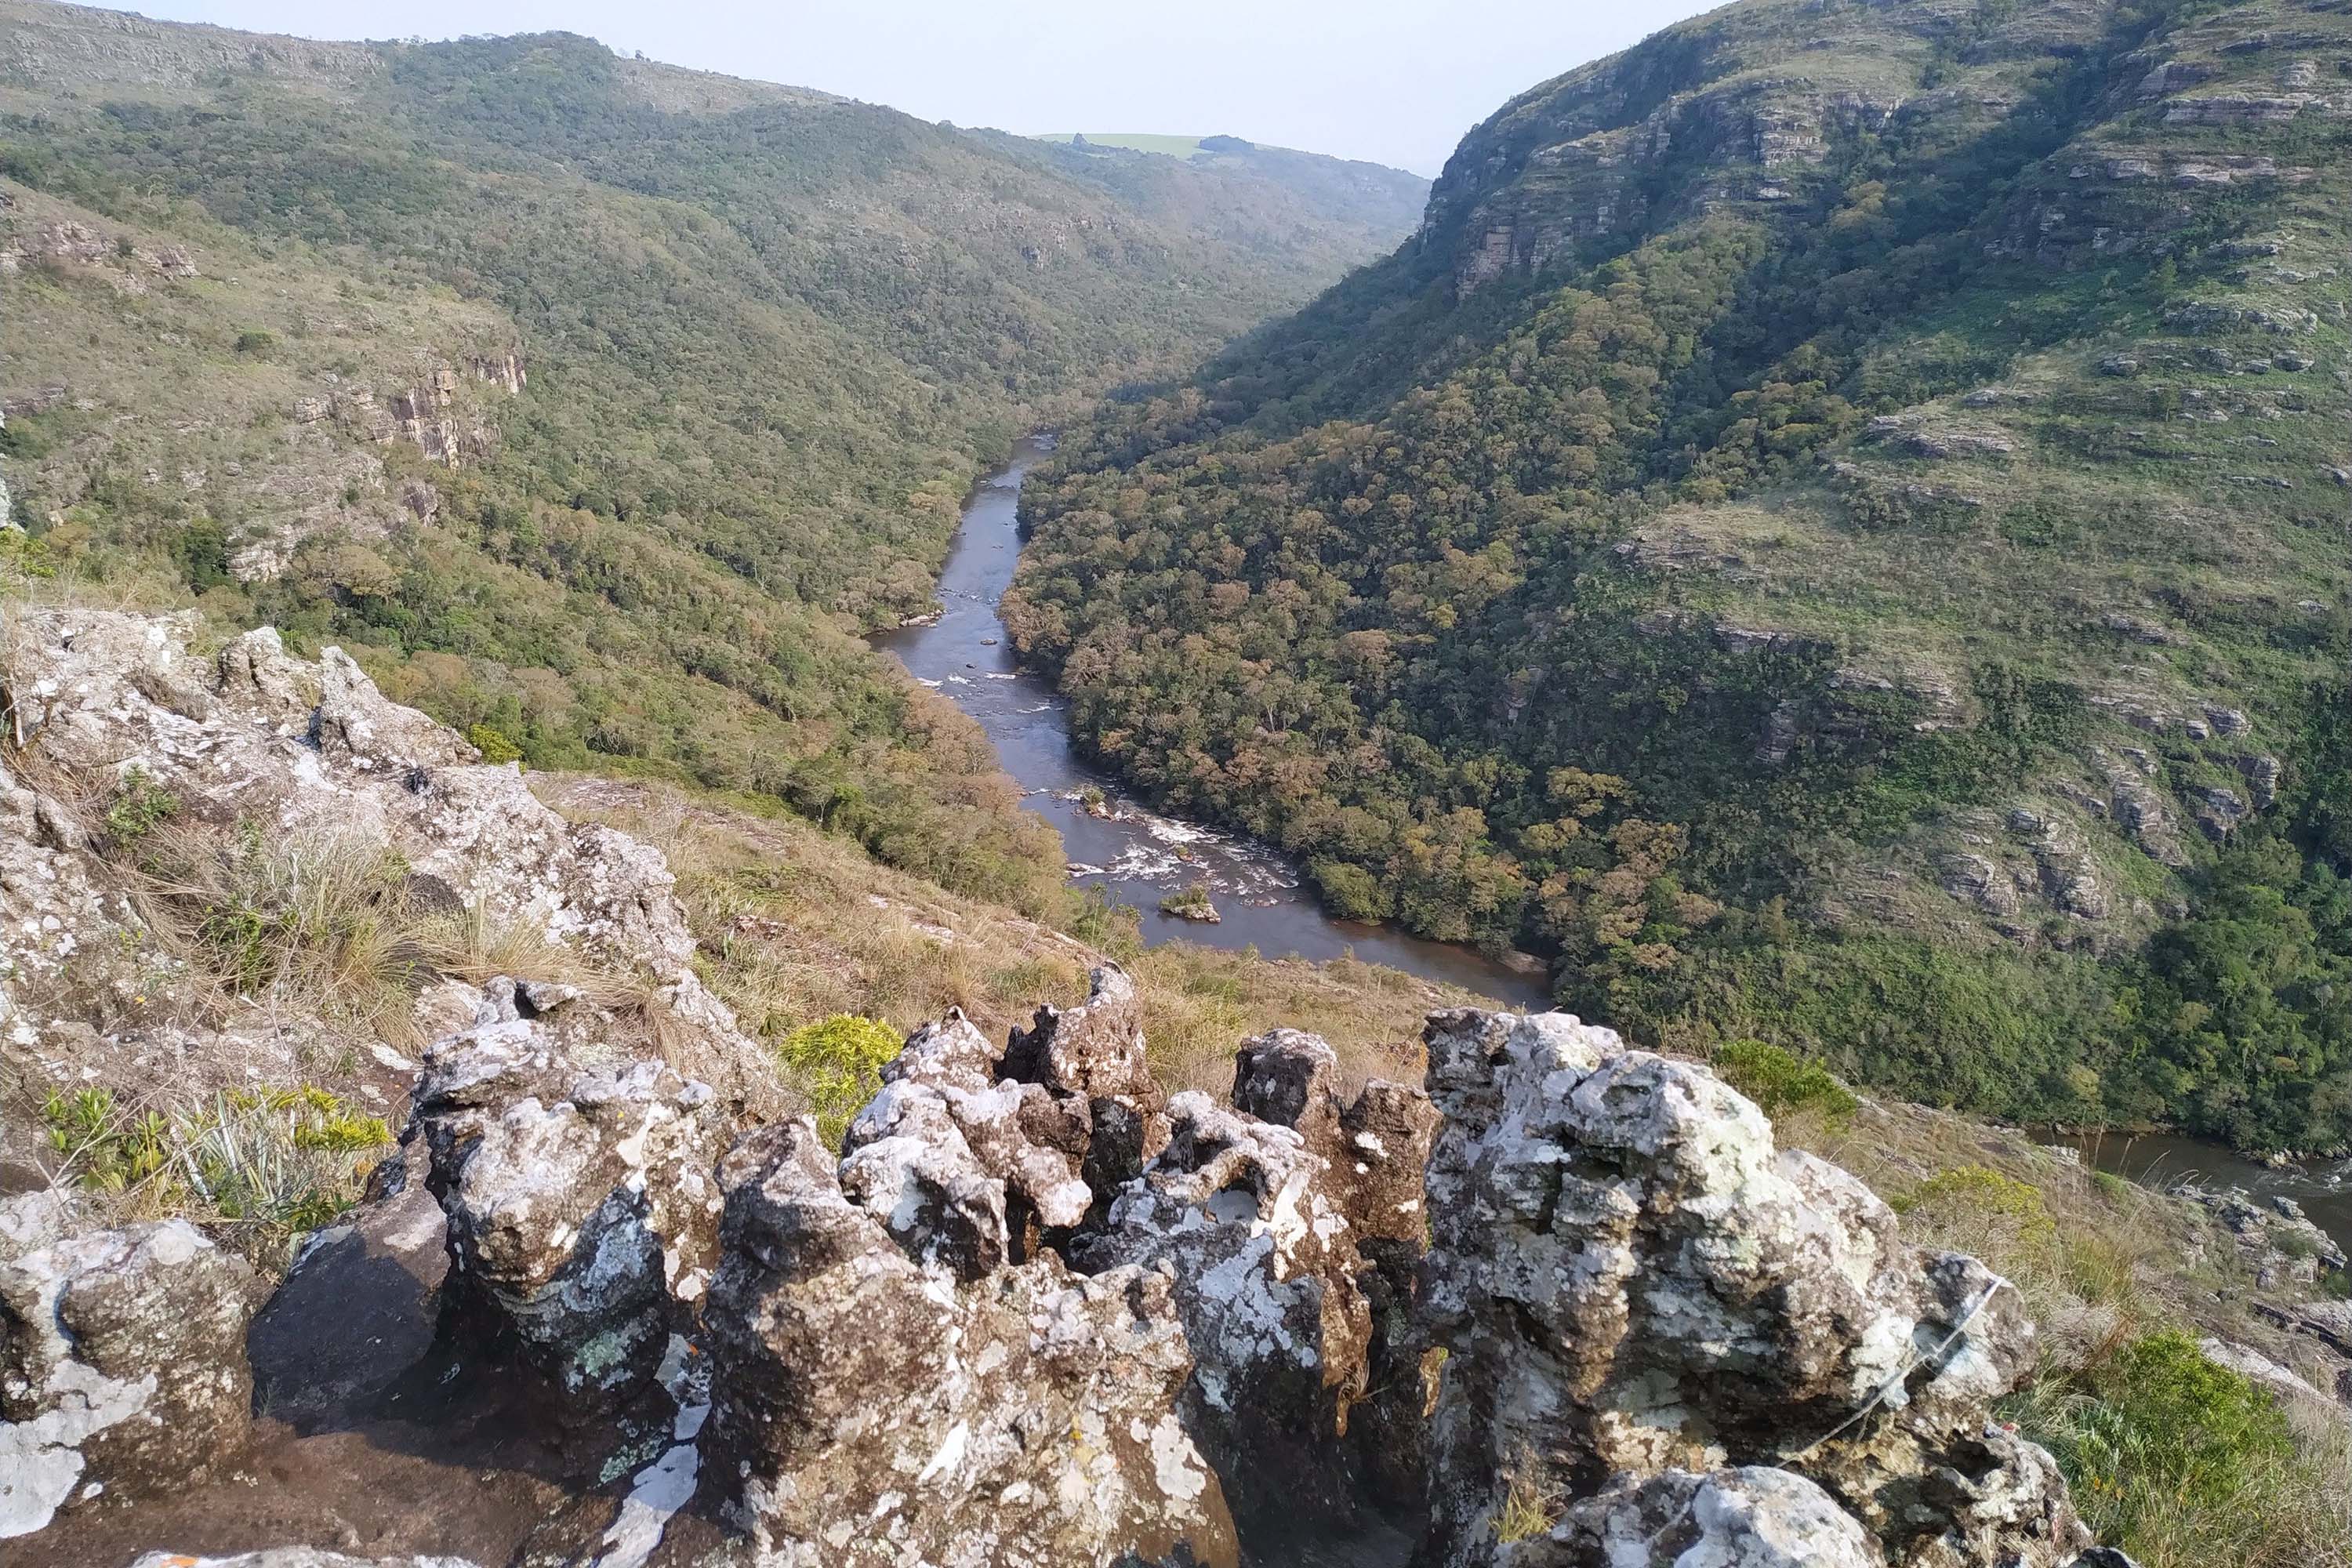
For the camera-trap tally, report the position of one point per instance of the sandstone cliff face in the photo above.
(1692, 121)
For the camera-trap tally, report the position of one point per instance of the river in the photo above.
(2323, 1187)
(1137, 856)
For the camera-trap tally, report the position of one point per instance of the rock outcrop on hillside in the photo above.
(582, 1203)
(1641, 1295)
(306, 759)
(1035, 1310)
(882, 1396)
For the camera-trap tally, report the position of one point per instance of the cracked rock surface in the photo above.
(122, 1363)
(878, 1400)
(1632, 1280)
(582, 1201)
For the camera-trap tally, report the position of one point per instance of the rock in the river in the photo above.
(1631, 1281)
(583, 1201)
(122, 1367)
(878, 1400)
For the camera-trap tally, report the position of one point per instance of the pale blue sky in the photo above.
(1397, 81)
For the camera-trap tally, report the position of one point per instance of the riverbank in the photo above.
(1136, 856)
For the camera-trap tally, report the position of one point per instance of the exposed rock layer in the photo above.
(1632, 1282)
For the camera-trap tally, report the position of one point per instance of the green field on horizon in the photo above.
(1173, 146)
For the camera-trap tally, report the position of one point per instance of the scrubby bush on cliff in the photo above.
(2188, 1464)
(836, 1063)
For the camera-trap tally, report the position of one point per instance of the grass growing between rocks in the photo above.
(2183, 1463)
(256, 1167)
(2190, 1464)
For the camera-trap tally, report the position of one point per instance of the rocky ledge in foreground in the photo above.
(1568, 1306)
(1660, 1334)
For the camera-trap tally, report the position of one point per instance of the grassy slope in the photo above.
(770, 337)
(1906, 460)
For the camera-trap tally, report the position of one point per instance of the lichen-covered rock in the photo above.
(255, 752)
(1753, 1517)
(1630, 1279)
(583, 1201)
(314, 748)
(966, 1160)
(1271, 1223)
(1092, 1055)
(293, 1557)
(122, 1365)
(871, 1406)
(2274, 1239)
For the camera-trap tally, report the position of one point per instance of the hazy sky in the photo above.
(1397, 81)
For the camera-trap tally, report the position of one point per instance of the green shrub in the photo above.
(2166, 1450)
(255, 343)
(1980, 1197)
(837, 1064)
(263, 1165)
(139, 807)
(493, 745)
(1781, 1083)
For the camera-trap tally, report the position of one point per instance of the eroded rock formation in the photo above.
(1272, 1216)
(1037, 1311)
(583, 1201)
(122, 1363)
(882, 1398)
(1632, 1282)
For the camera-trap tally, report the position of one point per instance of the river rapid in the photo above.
(1137, 856)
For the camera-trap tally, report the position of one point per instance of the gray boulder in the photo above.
(293, 1557)
(876, 1399)
(1631, 1279)
(122, 1365)
(1754, 1517)
(1292, 1225)
(582, 1201)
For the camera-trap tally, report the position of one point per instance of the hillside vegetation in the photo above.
(595, 403)
(1833, 529)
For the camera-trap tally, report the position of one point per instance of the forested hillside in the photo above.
(1833, 529)
(594, 403)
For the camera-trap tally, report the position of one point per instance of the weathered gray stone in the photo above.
(122, 1365)
(1093, 1054)
(1631, 1279)
(582, 1203)
(293, 1557)
(1292, 1226)
(869, 1406)
(1756, 1517)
